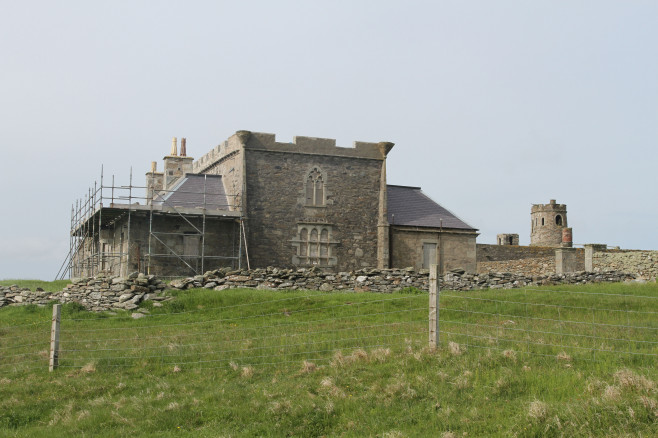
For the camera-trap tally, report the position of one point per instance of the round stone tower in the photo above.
(548, 223)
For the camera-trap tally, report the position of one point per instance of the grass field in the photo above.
(580, 361)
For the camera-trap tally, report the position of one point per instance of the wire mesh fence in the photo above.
(565, 324)
(247, 328)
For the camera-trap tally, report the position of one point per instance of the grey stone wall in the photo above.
(277, 210)
(226, 160)
(492, 253)
(533, 267)
(97, 294)
(642, 263)
(380, 280)
(458, 252)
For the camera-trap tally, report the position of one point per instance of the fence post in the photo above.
(434, 307)
(54, 337)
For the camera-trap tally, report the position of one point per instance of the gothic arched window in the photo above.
(315, 188)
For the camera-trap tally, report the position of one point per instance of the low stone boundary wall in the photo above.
(96, 294)
(108, 293)
(381, 280)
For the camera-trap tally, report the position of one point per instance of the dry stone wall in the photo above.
(113, 293)
(642, 263)
(96, 294)
(381, 280)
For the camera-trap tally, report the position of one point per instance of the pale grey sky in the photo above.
(493, 105)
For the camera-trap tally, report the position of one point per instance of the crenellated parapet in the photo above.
(299, 145)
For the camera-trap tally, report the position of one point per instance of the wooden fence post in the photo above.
(54, 337)
(434, 307)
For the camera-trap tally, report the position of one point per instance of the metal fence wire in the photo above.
(251, 329)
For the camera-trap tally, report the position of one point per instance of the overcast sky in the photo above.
(492, 105)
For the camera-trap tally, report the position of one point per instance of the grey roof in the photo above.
(410, 206)
(189, 193)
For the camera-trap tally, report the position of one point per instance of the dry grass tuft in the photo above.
(510, 354)
(448, 434)
(462, 382)
(5, 381)
(380, 354)
(88, 368)
(338, 359)
(611, 393)
(400, 389)
(628, 379)
(650, 404)
(455, 349)
(327, 384)
(173, 406)
(233, 366)
(176, 369)
(538, 410)
(563, 356)
(359, 354)
(393, 434)
(308, 367)
(280, 407)
(247, 372)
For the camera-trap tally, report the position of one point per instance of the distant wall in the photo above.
(528, 260)
(494, 253)
(642, 263)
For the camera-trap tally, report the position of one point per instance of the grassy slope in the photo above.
(48, 286)
(404, 390)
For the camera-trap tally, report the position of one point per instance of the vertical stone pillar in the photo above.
(565, 260)
(590, 249)
(383, 227)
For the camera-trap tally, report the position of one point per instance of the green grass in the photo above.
(48, 286)
(232, 363)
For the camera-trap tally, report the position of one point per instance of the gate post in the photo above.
(434, 307)
(54, 337)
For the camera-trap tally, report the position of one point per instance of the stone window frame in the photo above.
(314, 246)
(315, 187)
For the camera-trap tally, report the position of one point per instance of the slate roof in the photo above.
(189, 193)
(411, 207)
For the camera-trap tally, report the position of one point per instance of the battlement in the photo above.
(552, 206)
(300, 145)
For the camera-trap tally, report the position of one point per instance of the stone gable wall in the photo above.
(276, 206)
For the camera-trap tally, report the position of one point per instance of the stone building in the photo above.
(549, 225)
(507, 239)
(255, 202)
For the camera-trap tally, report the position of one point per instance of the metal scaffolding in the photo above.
(106, 221)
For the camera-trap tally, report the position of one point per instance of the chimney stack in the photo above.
(183, 151)
(174, 151)
(154, 166)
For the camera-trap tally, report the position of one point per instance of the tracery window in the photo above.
(315, 188)
(314, 246)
